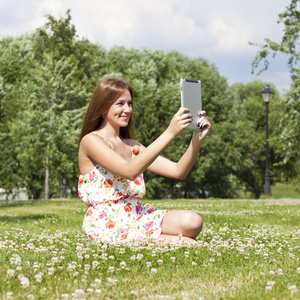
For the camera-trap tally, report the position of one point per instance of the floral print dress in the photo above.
(116, 212)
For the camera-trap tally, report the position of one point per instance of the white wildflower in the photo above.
(293, 289)
(75, 274)
(271, 283)
(272, 272)
(39, 277)
(112, 281)
(50, 271)
(268, 288)
(111, 269)
(15, 260)
(10, 273)
(180, 236)
(24, 281)
(79, 293)
(139, 256)
(153, 270)
(54, 259)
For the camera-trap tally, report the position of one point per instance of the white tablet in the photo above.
(191, 99)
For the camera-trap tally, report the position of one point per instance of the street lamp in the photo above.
(267, 95)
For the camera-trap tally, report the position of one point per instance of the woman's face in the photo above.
(120, 112)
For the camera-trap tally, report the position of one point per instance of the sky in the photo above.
(217, 30)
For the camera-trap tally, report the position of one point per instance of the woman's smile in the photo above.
(121, 110)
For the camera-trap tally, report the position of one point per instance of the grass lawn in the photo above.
(247, 250)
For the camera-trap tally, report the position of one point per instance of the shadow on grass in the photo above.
(15, 203)
(20, 203)
(26, 218)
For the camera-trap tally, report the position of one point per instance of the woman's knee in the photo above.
(192, 222)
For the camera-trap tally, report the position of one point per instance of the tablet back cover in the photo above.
(191, 99)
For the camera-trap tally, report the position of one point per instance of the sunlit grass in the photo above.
(279, 191)
(247, 250)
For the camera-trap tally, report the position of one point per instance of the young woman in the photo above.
(111, 165)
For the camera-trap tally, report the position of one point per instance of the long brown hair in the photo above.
(105, 94)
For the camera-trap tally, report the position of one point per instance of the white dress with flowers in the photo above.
(115, 211)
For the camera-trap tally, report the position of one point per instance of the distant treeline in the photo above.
(48, 77)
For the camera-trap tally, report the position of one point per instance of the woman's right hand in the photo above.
(181, 120)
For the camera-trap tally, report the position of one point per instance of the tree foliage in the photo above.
(289, 135)
(46, 81)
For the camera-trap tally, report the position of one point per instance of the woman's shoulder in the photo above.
(92, 139)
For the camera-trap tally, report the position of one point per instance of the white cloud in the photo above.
(144, 23)
(217, 30)
(281, 79)
(230, 37)
(55, 8)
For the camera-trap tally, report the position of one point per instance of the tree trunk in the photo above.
(63, 191)
(47, 173)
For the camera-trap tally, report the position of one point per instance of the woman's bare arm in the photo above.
(95, 149)
(179, 170)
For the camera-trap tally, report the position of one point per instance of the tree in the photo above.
(46, 80)
(250, 123)
(43, 102)
(289, 136)
(16, 61)
(44, 128)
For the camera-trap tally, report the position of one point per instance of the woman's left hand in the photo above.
(203, 125)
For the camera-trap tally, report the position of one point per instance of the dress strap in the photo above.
(105, 140)
(109, 145)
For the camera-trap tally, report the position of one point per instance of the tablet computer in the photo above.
(191, 99)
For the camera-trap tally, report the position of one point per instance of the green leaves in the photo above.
(47, 79)
(288, 133)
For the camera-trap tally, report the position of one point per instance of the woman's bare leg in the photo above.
(184, 222)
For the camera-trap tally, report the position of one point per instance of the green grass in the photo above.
(281, 190)
(247, 250)
(278, 191)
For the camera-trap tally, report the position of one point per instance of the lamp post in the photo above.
(254, 156)
(267, 95)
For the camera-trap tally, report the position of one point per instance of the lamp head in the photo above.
(267, 94)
